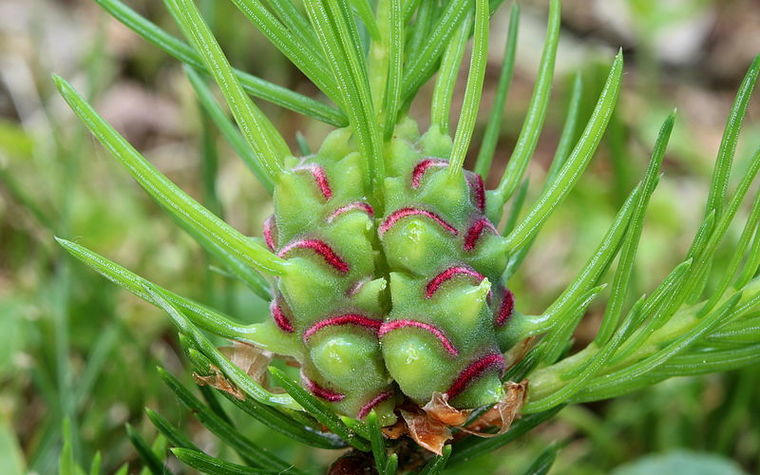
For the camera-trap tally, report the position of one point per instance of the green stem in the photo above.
(491, 134)
(256, 128)
(169, 195)
(378, 56)
(572, 169)
(448, 73)
(624, 274)
(395, 69)
(534, 119)
(473, 90)
(339, 41)
(549, 380)
(228, 129)
(721, 175)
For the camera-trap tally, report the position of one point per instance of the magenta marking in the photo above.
(419, 170)
(374, 402)
(478, 190)
(399, 214)
(347, 319)
(473, 371)
(321, 392)
(321, 248)
(437, 281)
(279, 316)
(396, 324)
(320, 177)
(269, 232)
(475, 231)
(356, 205)
(506, 309)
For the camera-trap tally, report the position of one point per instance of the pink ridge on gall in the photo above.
(396, 324)
(320, 177)
(475, 231)
(269, 233)
(321, 248)
(399, 214)
(279, 316)
(473, 371)
(506, 309)
(347, 319)
(374, 402)
(478, 190)
(321, 392)
(356, 205)
(419, 170)
(433, 286)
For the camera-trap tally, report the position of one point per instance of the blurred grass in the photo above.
(72, 347)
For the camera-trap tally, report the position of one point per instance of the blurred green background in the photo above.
(73, 347)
